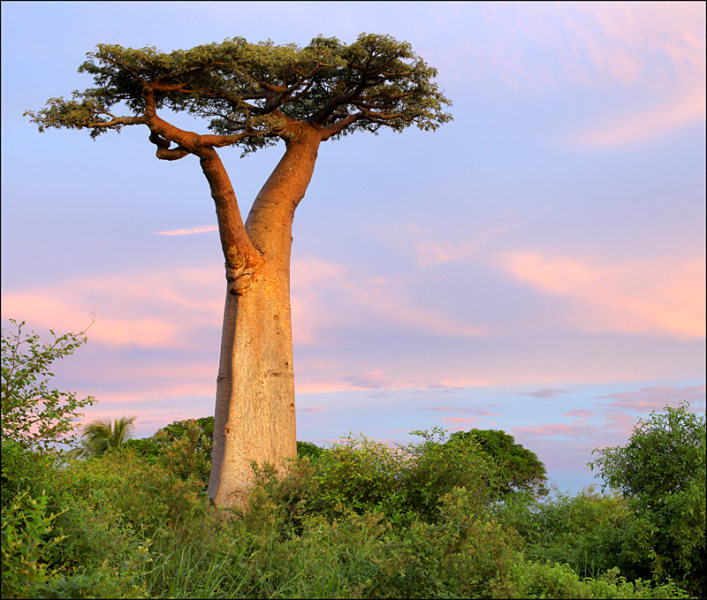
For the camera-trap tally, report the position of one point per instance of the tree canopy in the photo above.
(254, 94)
(519, 468)
(664, 454)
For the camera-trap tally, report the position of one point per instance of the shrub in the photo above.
(464, 555)
(24, 469)
(32, 414)
(25, 549)
(308, 449)
(662, 471)
(586, 531)
(149, 497)
(186, 452)
(519, 469)
(359, 473)
(662, 455)
(363, 475)
(555, 580)
(435, 468)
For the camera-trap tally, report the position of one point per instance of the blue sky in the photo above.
(537, 265)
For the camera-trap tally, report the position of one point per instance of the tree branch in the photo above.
(117, 121)
(163, 150)
(219, 141)
(322, 115)
(338, 126)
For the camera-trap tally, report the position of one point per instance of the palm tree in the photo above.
(101, 434)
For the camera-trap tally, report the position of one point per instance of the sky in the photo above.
(537, 265)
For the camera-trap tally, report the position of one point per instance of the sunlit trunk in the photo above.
(256, 417)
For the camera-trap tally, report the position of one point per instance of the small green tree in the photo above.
(662, 456)
(662, 471)
(32, 415)
(100, 435)
(519, 468)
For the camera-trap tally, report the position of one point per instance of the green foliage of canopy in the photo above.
(519, 468)
(252, 89)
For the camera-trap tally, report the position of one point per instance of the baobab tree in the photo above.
(254, 95)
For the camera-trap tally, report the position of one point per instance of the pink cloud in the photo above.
(462, 409)
(569, 446)
(315, 409)
(546, 393)
(656, 397)
(430, 249)
(459, 420)
(655, 48)
(648, 123)
(324, 291)
(582, 415)
(372, 379)
(631, 296)
(150, 309)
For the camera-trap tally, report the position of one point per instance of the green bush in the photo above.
(463, 555)
(555, 580)
(662, 456)
(26, 545)
(186, 452)
(25, 470)
(586, 531)
(519, 469)
(32, 414)
(358, 473)
(435, 469)
(662, 471)
(402, 482)
(149, 497)
(308, 449)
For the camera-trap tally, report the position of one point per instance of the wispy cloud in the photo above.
(661, 295)
(646, 124)
(313, 409)
(655, 397)
(546, 393)
(372, 379)
(430, 249)
(581, 415)
(459, 423)
(188, 230)
(323, 293)
(474, 411)
(150, 309)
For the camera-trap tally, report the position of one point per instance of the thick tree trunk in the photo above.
(255, 397)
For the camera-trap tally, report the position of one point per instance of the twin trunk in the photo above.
(255, 394)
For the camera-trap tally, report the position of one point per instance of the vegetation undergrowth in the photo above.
(467, 516)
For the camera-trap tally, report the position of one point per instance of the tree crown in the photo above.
(253, 94)
(664, 454)
(519, 468)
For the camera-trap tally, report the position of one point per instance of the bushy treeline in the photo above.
(440, 518)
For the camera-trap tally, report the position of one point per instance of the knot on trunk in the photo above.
(238, 280)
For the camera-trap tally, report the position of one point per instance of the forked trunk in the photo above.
(255, 396)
